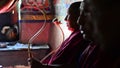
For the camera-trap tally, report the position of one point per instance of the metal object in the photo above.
(7, 5)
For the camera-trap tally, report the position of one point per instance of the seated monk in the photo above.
(72, 47)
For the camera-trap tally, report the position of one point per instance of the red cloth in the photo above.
(70, 50)
(90, 56)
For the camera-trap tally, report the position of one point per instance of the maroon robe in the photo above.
(70, 50)
(90, 56)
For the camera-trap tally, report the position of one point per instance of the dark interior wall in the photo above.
(5, 19)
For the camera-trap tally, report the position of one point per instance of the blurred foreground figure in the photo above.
(102, 27)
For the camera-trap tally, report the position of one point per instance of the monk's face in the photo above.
(72, 16)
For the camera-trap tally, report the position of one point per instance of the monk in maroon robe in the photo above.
(70, 50)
